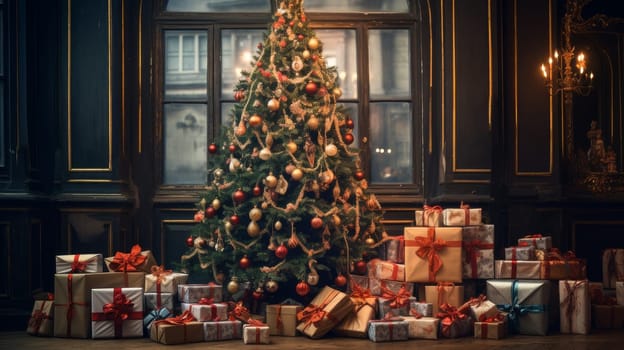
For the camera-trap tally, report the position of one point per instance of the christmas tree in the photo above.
(286, 208)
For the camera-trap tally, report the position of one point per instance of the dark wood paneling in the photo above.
(5, 259)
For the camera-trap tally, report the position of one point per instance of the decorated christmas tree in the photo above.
(286, 208)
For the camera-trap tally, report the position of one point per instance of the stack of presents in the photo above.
(440, 279)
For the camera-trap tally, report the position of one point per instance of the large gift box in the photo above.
(518, 269)
(388, 330)
(177, 330)
(222, 330)
(536, 240)
(327, 309)
(433, 254)
(444, 293)
(478, 251)
(612, 267)
(575, 309)
(355, 324)
(520, 253)
(72, 294)
(192, 293)
(524, 301)
(463, 216)
(491, 328)
(116, 313)
(136, 260)
(40, 322)
(282, 319)
(157, 301)
(422, 327)
(163, 281)
(79, 263)
(429, 216)
(256, 334)
(206, 310)
(395, 250)
(386, 270)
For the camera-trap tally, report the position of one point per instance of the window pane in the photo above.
(378, 6)
(238, 47)
(218, 6)
(340, 51)
(2, 141)
(185, 146)
(185, 74)
(226, 113)
(389, 63)
(391, 142)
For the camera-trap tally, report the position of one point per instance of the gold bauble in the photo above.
(270, 181)
(289, 168)
(253, 229)
(313, 279)
(313, 122)
(277, 225)
(255, 214)
(370, 241)
(273, 104)
(331, 150)
(313, 43)
(305, 54)
(216, 203)
(297, 174)
(337, 92)
(265, 154)
(291, 147)
(255, 120)
(233, 286)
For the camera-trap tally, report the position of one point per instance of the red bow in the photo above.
(448, 315)
(399, 299)
(359, 292)
(37, 319)
(466, 208)
(119, 309)
(255, 323)
(429, 247)
(427, 211)
(415, 313)
(536, 235)
(77, 265)
(313, 314)
(128, 261)
(239, 312)
(159, 272)
(185, 318)
(499, 317)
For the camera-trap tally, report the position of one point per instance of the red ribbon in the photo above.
(487, 321)
(466, 208)
(569, 302)
(398, 299)
(514, 268)
(120, 310)
(127, 262)
(239, 312)
(78, 266)
(70, 304)
(280, 323)
(313, 314)
(400, 250)
(442, 288)
(427, 211)
(471, 249)
(428, 250)
(37, 317)
(159, 272)
(448, 315)
(181, 320)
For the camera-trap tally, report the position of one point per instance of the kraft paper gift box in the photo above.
(395, 250)
(571, 269)
(518, 269)
(164, 281)
(79, 263)
(454, 323)
(206, 311)
(433, 254)
(355, 324)
(446, 293)
(40, 322)
(157, 301)
(73, 291)
(327, 309)
(116, 313)
(421, 309)
(463, 216)
(177, 330)
(612, 267)
(376, 286)
(538, 241)
(282, 319)
(522, 253)
(135, 260)
(478, 251)
(422, 327)
(255, 334)
(386, 270)
(222, 330)
(619, 292)
(530, 296)
(491, 329)
(192, 293)
(575, 309)
(388, 330)
(429, 216)
(481, 309)
(153, 316)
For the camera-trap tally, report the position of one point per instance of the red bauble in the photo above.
(302, 289)
(359, 175)
(257, 294)
(311, 88)
(300, 37)
(316, 223)
(244, 262)
(238, 196)
(257, 191)
(212, 148)
(348, 138)
(234, 219)
(255, 120)
(322, 91)
(340, 280)
(259, 64)
(281, 251)
(282, 44)
(190, 241)
(360, 267)
(232, 148)
(210, 212)
(239, 95)
(349, 123)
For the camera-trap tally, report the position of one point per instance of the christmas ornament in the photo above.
(238, 196)
(297, 64)
(337, 92)
(311, 88)
(255, 214)
(313, 123)
(234, 164)
(277, 225)
(219, 278)
(271, 286)
(218, 173)
(257, 294)
(296, 174)
(349, 123)
(289, 168)
(199, 216)
(232, 148)
(348, 138)
(302, 288)
(359, 175)
(313, 44)
(370, 241)
(244, 262)
(239, 95)
(322, 92)
(265, 154)
(241, 129)
(234, 219)
(291, 147)
(190, 241)
(202, 202)
(253, 229)
(210, 212)
(212, 148)
(281, 251)
(331, 150)
(360, 267)
(216, 203)
(233, 286)
(257, 190)
(270, 181)
(255, 120)
(305, 54)
(340, 280)
(273, 104)
(316, 223)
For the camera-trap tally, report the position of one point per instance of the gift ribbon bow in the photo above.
(515, 310)
(569, 302)
(128, 261)
(430, 210)
(78, 266)
(118, 311)
(37, 317)
(398, 299)
(239, 312)
(428, 250)
(183, 319)
(313, 314)
(359, 293)
(160, 273)
(448, 315)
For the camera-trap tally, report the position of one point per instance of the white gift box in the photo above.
(222, 330)
(461, 216)
(422, 328)
(116, 312)
(193, 293)
(537, 241)
(575, 308)
(207, 312)
(256, 334)
(79, 263)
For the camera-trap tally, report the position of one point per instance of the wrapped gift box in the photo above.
(387, 330)
(619, 292)
(153, 316)
(385, 270)
(73, 291)
(327, 309)
(612, 267)
(571, 269)
(530, 296)
(433, 254)
(461, 216)
(478, 251)
(518, 269)
(135, 261)
(222, 330)
(206, 310)
(256, 334)
(456, 325)
(282, 319)
(193, 293)
(481, 309)
(396, 306)
(361, 281)
(444, 294)
(608, 316)
(116, 313)
(495, 329)
(429, 216)
(395, 250)
(422, 327)
(523, 253)
(575, 310)
(421, 309)
(177, 330)
(79, 263)
(538, 241)
(355, 324)
(164, 281)
(156, 301)
(40, 322)
(596, 292)
(376, 286)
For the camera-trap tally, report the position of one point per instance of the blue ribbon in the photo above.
(155, 315)
(516, 310)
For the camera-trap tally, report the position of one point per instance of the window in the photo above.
(375, 58)
(3, 83)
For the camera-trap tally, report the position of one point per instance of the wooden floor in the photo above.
(611, 339)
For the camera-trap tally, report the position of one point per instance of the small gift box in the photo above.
(40, 322)
(454, 323)
(433, 254)
(522, 253)
(612, 267)
(355, 324)
(395, 250)
(518, 269)
(575, 310)
(420, 309)
(157, 301)
(192, 293)
(155, 315)
(361, 281)
(422, 327)
(491, 328)
(136, 260)
(376, 286)
(386, 270)
(79, 263)
(481, 308)
(116, 313)
(462, 216)
(164, 281)
(205, 310)
(256, 334)
(327, 309)
(619, 292)
(478, 251)
(429, 216)
(388, 330)
(564, 269)
(524, 301)
(395, 306)
(537, 241)
(177, 330)
(282, 319)
(444, 293)
(222, 330)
